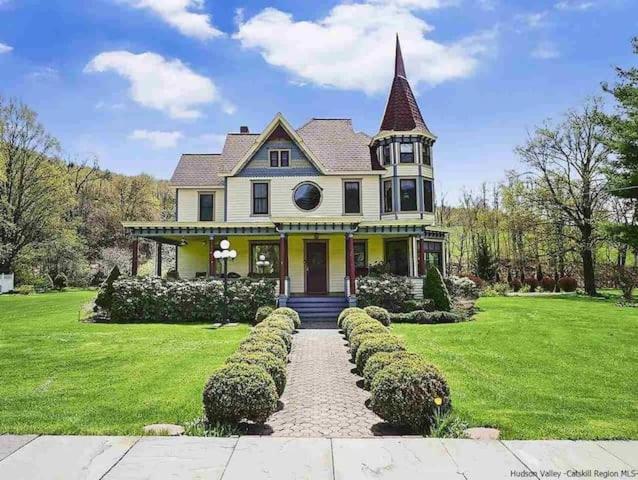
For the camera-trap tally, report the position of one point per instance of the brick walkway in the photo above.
(321, 398)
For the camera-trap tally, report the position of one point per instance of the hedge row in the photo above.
(248, 385)
(426, 318)
(406, 391)
(156, 300)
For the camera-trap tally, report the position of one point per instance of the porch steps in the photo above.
(318, 308)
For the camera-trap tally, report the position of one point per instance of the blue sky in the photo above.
(137, 82)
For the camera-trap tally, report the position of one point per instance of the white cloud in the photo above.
(353, 47)
(157, 139)
(187, 16)
(43, 74)
(579, 5)
(545, 51)
(489, 5)
(165, 85)
(4, 48)
(417, 4)
(533, 20)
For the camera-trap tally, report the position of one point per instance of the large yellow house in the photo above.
(314, 207)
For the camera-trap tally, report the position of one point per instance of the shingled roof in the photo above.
(402, 113)
(195, 170)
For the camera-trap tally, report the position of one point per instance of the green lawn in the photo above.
(540, 367)
(58, 375)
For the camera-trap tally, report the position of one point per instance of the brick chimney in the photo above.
(244, 129)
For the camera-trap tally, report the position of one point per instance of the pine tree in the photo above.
(434, 288)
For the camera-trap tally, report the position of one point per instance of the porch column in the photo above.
(212, 261)
(286, 258)
(421, 256)
(135, 247)
(158, 270)
(283, 263)
(352, 272)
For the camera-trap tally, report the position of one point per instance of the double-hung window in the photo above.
(352, 196)
(279, 158)
(261, 199)
(427, 154)
(387, 197)
(269, 267)
(386, 153)
(428, 196)
(408, 195)
(407, 153)
(206, 207)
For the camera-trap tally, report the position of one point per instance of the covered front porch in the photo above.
(316, 257)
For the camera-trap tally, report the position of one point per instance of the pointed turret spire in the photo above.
(399, 67)
(402, 113)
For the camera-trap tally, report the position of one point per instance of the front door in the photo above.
(316, 268)
(396, 255)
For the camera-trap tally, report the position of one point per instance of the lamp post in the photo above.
(262, 263)
(224, 254)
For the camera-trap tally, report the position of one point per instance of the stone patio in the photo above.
(266, 458)
(322, 398)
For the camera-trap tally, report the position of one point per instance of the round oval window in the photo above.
(307, 196)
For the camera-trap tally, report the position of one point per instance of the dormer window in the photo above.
(427, 154)
(279, 158)
(407, 153)
(386, 153)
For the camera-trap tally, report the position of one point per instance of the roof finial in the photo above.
(399, 67)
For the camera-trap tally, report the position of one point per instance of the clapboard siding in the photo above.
(188, 204)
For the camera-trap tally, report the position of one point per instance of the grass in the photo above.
(540, 368)
(61, 376)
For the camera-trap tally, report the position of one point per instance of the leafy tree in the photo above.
(623, 141)
(568, 160)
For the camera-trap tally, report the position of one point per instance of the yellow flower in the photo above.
(438, 401)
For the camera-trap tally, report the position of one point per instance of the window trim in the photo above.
(252, 198)
(279, 150)
(383, 196)
(389, 147)
(251, 258)
(425, 179)
(343, 189)
(307, 182)
(413, 153)
(426, 159)
(416, 193)
(199, 205)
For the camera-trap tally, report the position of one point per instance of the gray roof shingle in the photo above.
(194, 170)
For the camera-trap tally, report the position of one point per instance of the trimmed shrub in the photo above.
(424, 304)
(460, 287)
(435, 289)
(260, 343)
(516, 285)
(379, 361)
(478, 281)
(379, 313)
(496, 290)
(548, 284)
(355, 320)
(426, 318)
(104, 298)
(436, 318)
(391, 292)
(355, 342)
(532, 283)
(278, 321)
(568, 284)
(275, 367)
(385, 343)
(291, 314)
(367, 327)
(345, 312)
(239, 391)
(60, 281)
(280, 332)
(262, 314)
(410, 394)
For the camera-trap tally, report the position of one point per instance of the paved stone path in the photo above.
(322, 398)
(266, 458)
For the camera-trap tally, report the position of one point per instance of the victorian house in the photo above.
(314, 207)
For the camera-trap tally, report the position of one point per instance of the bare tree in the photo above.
(568, 160)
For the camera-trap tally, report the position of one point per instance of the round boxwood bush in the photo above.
(356, 341)
(240, 391)
(345, 312)
(568, 284)
(279, 321)
(409, 394)
(367, 327)
(379, 361)
(262, 314)
(291, 314)
(385, 343)
(380, 314)
(275, 367)
(280, 332)
(355, 320)
(261, 343)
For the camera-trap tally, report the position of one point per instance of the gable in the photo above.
(259, 163)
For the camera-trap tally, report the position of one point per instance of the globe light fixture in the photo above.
(224, 254)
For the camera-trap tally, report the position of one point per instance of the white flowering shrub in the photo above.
(388, 291)
(462, 287)
(154, 300)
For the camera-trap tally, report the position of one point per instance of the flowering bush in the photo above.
(462, 287)
(152, 300)
(387, 291)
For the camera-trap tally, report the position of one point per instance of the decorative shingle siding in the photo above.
(259, 164)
